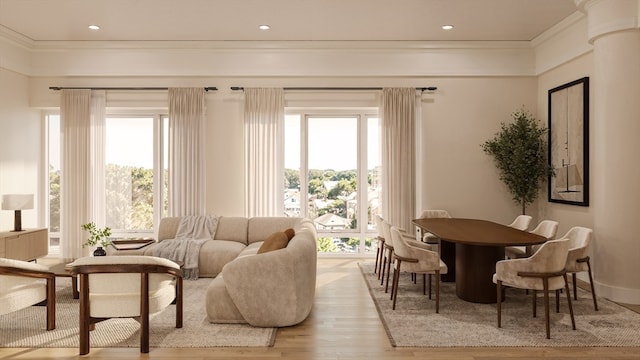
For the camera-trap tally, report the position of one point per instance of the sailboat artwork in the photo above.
(568, 153)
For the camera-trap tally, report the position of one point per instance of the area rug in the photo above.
(26, 328)
(414, 322)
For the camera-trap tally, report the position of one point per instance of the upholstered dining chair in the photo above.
(546, 228)
(415, 260)
(543, 271)
(23, 284)
(388, 256)
(126, 286)
(433, 214)
(578, 260)
(521, 222)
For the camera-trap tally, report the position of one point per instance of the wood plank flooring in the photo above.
(344, 324)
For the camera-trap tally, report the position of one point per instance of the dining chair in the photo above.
(415, 260)
(433, 214)
(521, 222)
(126, 286)
(23, 284)
(546, 228)
(389, 246)
(543, 271)
(578, 260)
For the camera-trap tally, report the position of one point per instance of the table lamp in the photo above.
(17, 202)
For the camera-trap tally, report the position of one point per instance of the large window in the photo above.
(135, 174)
(332, 165)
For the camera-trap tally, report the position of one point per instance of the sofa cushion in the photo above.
(275, 241)
(261, 227)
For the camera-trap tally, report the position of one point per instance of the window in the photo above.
(338, 157)
(135, 174)
(130, 174)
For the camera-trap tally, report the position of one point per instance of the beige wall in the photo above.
(20, 147)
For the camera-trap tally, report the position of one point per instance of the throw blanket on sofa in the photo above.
(192, 232)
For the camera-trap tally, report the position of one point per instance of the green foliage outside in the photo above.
(520, 153)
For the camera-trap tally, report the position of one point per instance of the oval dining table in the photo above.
(479, 245)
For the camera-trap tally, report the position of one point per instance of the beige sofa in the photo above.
(271, 289)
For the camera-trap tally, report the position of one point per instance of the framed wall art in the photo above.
(569, 143)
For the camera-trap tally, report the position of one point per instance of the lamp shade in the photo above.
(17, 201)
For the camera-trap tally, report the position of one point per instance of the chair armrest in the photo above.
(31, 273)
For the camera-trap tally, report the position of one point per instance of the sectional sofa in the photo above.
(269, 289)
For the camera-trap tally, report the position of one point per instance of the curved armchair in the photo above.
(126, 286)
(521, 222)
(578, 259)
(22, 285)
(415, 260)
(546, 228)
(544, 271)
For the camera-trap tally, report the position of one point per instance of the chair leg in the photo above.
(384, 267)
(394, 287)
(424, 284)
(534, 296)
(430, 285)
(179, 302)
(593, 289)
(84, 314)
(545, 284)
(566, 285)
(386, 288)
(375, 266)
(557, 301)
(575, 286)
(381, 258)
(499, 302)
(144, 312)
(437, 291)
(51, 303)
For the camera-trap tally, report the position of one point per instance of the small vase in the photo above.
(99, 251)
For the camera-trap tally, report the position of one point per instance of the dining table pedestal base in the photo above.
(475, 266)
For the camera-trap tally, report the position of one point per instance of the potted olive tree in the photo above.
(520, 153)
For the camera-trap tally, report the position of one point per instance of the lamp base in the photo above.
(17, 221)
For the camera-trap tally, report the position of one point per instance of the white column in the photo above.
(615, 146)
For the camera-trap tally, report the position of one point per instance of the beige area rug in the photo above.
(26, 328)
(415, 323)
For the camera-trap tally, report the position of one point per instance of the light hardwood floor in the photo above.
(344, 324)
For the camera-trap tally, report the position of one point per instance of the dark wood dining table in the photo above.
(471, 248)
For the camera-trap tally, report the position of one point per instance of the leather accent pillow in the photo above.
(290, 233)
(275, 241)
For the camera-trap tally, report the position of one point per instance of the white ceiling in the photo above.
(291, 20)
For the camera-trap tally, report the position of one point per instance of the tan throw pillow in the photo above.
(275, 241)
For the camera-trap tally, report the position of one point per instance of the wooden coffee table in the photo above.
(63, 270)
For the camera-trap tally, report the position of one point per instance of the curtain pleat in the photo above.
(75, 112)
(264, 129)
(186, 152)
(398, 111)
(97, 189)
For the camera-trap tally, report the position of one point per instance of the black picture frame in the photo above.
(568, 143)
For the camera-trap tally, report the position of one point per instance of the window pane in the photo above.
(129, 173)
(373, 178)
(292, 166)
(333, 163)
(53, 124)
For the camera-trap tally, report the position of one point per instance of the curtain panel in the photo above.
(75, 113)
(186, 152)
(264, 151)
(398, 120)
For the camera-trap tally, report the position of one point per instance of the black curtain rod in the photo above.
(428, 88)
(213, 88)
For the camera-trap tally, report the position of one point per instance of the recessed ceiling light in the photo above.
(94, 27)
(264, 27)
(447, 27)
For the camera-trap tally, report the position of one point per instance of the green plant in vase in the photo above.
(98, 237)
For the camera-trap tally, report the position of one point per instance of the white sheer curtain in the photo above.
(398, 119)
(186, 151)
(75, 112)
(264, 129)
(98, 199)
